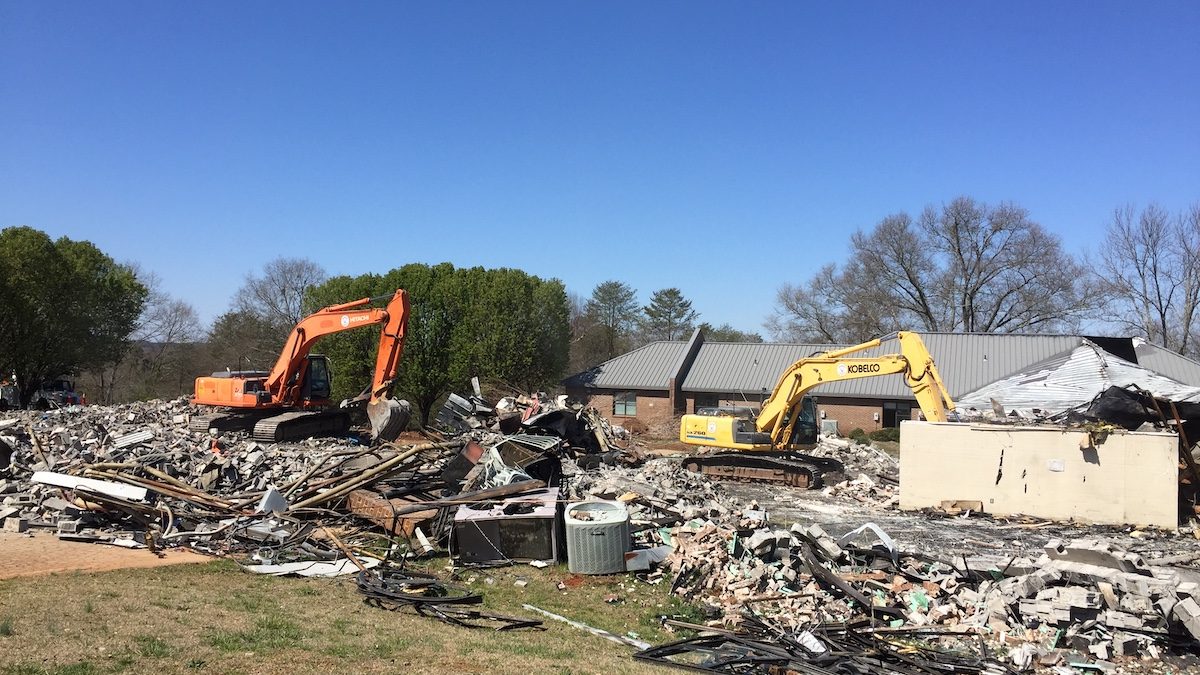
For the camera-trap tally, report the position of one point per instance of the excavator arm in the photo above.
(914, 362)
(284, 379)
(388, 416)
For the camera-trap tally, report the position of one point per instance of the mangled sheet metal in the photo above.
(1069, 382)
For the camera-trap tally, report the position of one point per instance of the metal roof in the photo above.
(1071, 380)
(744, 367)
(966, 361)
(649, 367)
(1173, 365)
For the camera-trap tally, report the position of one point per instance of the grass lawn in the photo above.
(214, 618)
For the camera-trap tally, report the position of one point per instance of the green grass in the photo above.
(217, 619)
(152, 646)
(270, 633)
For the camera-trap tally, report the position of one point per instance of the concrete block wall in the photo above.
(1046, 472)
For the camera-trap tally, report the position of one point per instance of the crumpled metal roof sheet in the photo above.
(1070, 380)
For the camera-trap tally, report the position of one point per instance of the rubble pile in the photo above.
(870, 475)
(583, 431)
(659, 494)
(1081, 601)
(135, 475)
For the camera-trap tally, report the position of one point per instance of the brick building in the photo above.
(657, 382)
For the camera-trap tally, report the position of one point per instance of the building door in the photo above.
(895, 412)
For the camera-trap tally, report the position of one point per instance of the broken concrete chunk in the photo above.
(822, 543)
(16, 524)
(1095, 552)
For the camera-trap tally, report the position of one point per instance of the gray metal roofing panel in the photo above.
(648, 367)
(1173, 365)
(746, 367)
(965, 361)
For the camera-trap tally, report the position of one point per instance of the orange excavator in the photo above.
(291, 401)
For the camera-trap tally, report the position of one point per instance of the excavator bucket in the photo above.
(388, 418)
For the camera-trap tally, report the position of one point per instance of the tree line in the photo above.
(967, 266)
(962, 266)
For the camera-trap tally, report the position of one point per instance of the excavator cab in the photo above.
(804, 431)
(317, 380)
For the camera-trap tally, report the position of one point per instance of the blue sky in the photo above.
(723, 148)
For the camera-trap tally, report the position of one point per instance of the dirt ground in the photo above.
(24, 555)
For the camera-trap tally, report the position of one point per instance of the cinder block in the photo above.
(1187, 612)
(16, 524)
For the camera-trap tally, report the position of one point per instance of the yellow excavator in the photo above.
(769, 446)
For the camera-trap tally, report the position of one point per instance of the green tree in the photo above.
(67, 307)
(614, 312)
(727, 333)
(502, 325)
(669, 316)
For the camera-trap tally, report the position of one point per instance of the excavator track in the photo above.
(227, 421)
(789, 468)
(300, 424)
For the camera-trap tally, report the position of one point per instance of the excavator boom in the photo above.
(914, 362)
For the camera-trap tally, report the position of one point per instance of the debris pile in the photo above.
(658, 493)
(135, 475)
(583, 431)
(870, 476)
(1083, 600)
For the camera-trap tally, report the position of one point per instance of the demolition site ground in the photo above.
(760, 577)
(190, 618)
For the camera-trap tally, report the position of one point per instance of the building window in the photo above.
(625, 404)
(896, 411)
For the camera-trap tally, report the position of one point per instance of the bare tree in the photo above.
(818, 311)
(1148, 265)
(278, 295)
(160, 357)
(966, 267)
